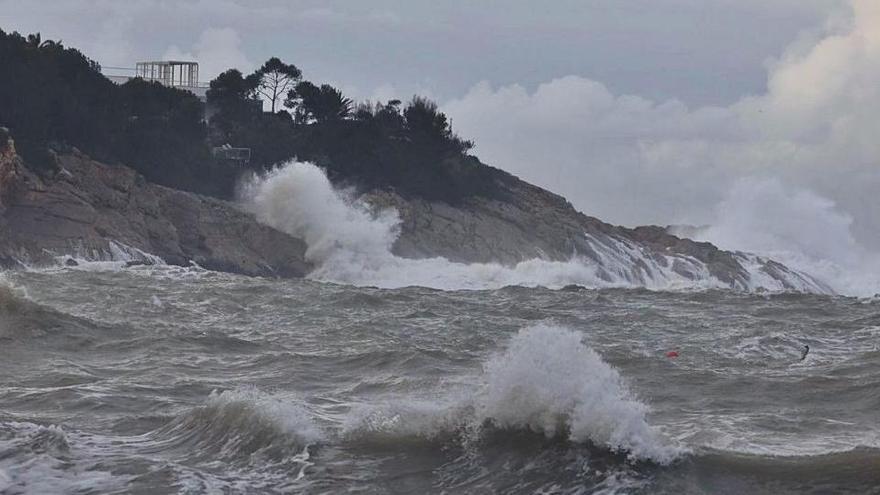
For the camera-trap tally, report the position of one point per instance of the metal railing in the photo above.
(121, 75)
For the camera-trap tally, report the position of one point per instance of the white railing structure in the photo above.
(172, 73)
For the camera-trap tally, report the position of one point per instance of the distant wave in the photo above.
(21, 318)
(796, 227)
(351, 244)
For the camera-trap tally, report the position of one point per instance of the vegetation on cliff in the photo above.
(52, 97)
(55, 97)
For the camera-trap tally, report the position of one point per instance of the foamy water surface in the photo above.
(169, 380)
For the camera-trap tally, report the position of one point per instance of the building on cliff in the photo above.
(173, 73)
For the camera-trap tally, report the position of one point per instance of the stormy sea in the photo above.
(378, 374)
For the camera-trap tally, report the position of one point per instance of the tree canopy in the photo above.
(317, 104)
(59, 98)
(274, 79)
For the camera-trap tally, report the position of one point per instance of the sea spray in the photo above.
(298, 199)
(797, 227)
(546, 381)
(350, 243)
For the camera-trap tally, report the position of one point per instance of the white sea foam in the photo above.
(247, 408)
(115, 257)
(37, 459)
(349, 243)
(550, 382)
(797, 227)
(546, 381)
(400, 419)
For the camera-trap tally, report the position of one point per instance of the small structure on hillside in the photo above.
(173, 73)
(239, 156)
(170, 72)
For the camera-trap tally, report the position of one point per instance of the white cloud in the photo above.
(216, 50)
(672, 48)
(632, 160)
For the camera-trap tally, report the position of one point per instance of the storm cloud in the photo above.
(634, 160)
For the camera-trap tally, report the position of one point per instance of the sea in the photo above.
(380, 375)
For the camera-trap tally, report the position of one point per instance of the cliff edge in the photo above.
(531, 222)
(97, 211)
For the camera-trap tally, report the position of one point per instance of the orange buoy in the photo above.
(672, 354)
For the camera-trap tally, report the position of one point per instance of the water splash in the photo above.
(349, 243)
(799, 228)
(550, 382)
(547, 382)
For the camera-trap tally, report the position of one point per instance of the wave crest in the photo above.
(351, 244)
(550, 382)
(547, 382)
(239, 423)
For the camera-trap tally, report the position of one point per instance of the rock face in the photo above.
(534, 223)
(97, 211)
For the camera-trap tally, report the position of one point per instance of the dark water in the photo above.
(172, 381)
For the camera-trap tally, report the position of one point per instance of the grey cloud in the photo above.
(632, 160)
(701, 51)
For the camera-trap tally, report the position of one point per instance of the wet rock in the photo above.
(527, 222)
(70, 262)
(94, 210)
(573, 288)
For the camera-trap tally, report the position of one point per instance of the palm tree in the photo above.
(320, 104)
(334, 106)
(36, 41)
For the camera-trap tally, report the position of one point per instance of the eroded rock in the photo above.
(97, 211)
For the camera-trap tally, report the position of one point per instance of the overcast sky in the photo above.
(638, 111)
(699, 51)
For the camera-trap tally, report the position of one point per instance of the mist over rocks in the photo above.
(96, 211)
(526, 235)
(532, 222)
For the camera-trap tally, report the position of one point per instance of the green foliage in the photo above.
(317, 104)
(431, 127)
(231, 91)
(39, 110)
(56, 97)
(274, 79)
(413, 150)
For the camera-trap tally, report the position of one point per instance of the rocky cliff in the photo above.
(97, 211)
(93, 210)
(530, 222)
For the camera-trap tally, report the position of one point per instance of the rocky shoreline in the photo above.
(97, 211)
(92, 210)
(532, 222)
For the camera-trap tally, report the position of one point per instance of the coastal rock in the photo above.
(9, 165)
(97, 211)
(525, 222)
(92, 210)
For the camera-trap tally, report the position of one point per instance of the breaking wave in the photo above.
(22, 318)
(799, 228)
(547, 382)
(550, 382)
(352, 244)
(242, 423)
(38, 459)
